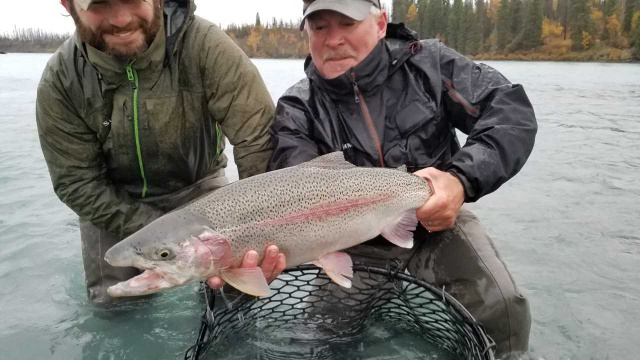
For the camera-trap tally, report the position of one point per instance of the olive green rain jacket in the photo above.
(126, 143)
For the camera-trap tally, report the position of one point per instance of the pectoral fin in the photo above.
(337, 265)
(400, 232)
(249, 280)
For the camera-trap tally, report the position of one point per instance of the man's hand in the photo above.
(272, 265)
(441, 210)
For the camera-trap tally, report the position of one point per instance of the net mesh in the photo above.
(306, 295)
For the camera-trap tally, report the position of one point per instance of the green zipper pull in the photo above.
(131, 77)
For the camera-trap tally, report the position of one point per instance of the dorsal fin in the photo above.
(334, 160)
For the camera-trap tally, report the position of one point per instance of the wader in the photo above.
(466, 263)
(99, 275)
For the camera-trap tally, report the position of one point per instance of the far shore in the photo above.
(571, 57)
(597, 54)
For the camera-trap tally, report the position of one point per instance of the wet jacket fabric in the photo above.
(401, 106)
(124, 144)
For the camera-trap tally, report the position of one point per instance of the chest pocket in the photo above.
(100, 122)
(422, 133)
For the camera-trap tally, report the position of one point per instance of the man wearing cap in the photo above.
(384, 98)
(132, 115)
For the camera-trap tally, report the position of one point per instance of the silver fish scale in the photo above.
(275, 207)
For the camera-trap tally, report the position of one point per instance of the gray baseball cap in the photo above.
(355, 9)
(84, 4)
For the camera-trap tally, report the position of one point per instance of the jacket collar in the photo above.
(369, 74)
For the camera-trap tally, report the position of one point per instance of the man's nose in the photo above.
(335, 38)
(120, 15)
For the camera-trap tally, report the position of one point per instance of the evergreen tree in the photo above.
(257, 19)
(447, 5)
(635, 41)
(469, 30)
(399, 9)
(516, 22)
(423, 21)
(435, 18)
(580, 22)
(481, 28)
(503, 30)
(630, 6)
(516, 11)
(456, 14)
(548, 11)
(532, 36)
(562, 12)
(610, 7)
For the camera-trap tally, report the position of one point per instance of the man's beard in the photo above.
(96, 38)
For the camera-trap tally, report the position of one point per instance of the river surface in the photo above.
(567, 226)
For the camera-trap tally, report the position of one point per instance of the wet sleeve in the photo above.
(291, 133)
(239, 101)
(77, 166)
(497, 117)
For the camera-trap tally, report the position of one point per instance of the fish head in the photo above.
(176, 249)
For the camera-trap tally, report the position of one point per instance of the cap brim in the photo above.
(357, 10)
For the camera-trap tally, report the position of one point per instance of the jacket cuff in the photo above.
(469, 193)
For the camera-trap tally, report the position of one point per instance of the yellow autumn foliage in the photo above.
(412, 13)
(587, 41)
(492, 10)
(636, 20)
(254, 37)
(598, 20)
(551, 29)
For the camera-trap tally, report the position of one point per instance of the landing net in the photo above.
(305, 295)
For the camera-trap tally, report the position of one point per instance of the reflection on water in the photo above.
(567, 226)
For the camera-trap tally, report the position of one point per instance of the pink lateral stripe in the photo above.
(324, 211)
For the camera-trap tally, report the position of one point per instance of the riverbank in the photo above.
(595, 54)
(601, 54)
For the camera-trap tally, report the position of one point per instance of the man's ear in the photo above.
(382, 25)
(66, 5)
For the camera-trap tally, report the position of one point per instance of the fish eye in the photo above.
(164, 253)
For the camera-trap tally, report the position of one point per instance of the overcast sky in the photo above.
(49, 15)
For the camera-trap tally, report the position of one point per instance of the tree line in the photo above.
(544, 29)
(31, 40)
(274, 39)
(602, 30)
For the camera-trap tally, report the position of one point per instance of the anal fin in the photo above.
(337, 265)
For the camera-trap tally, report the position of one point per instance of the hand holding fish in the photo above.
(272, 265)
(441, 210)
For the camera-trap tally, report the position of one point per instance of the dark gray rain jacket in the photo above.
(124, 144)
(401, 106)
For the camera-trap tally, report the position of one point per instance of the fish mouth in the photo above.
(148, 282)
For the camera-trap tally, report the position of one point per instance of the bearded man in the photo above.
(387, 99)
(132, 115)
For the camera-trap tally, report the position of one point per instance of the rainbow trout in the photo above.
(310, 211)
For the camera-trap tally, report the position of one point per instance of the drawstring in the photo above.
(414, 47)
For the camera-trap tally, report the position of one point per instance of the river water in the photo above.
(567, 226)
